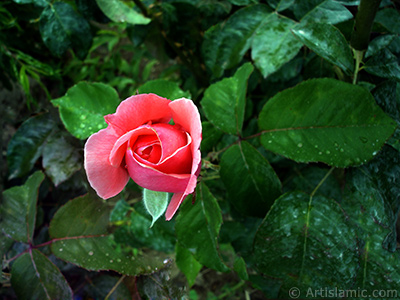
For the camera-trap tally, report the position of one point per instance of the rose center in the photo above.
(148, 147)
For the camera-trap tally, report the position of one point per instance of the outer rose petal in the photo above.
(107, 180)
(138, 110)
(186, 114)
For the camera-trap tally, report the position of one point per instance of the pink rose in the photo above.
(139, 142)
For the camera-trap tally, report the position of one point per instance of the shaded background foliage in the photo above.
(300, 175)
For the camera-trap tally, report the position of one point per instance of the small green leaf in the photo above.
(384, 64)
(27, 144)
(18, 209)
(327, 41)
(79, 232)
(240, 268)
(197, 228)
(34, 276)
(62, 28)
(310, 240)
(187, 264)
(60, 159)
(224, 102)
(84, 106)
(251, 182)
(119, 12)
(310, 123)
(163, 88)
(328, 12)
(156, 203)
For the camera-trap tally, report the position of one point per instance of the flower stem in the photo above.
(363, 24)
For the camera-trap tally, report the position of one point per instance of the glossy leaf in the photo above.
(389, 18)
(310, 240)
(224, 102)
(26, 146)
(79, 232)
(251, 27)
(280, 5)
(60, 159)
(384, 64)
(62, 28)
(163, 88)
(197, 228)
(211, 136)
(18, 209)
(379, 44)
(36, 2)
(251, 182)
(328, 12)
(156, 203)
(310, 123)
(118, 11)
(187, 264)
(327, 41)
(34, 276)
(84, 106)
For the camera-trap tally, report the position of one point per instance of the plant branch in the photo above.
(363, 24)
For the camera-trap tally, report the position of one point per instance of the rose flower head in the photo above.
(141, 142)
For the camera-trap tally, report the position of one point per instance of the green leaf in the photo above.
(26, 146)
(41, 3)
(251, 182)
(100, 286)
(389, 18)
(34, 276)
(79, 232)
(224, 102)
(197, 228)
(211, 136)
(251, 27)
(62, 28)
(379, 44)
(368, 209)
(310, 240)
(60, 159)
(119, 211)
(119, 12)
(384, 64)
(18, 209)
(327, 41)
(163, 88)
(187, 264)
(280, 5)
(240, 268)
(84, 106)
(310, 123)
(329, 12)
(156, 203)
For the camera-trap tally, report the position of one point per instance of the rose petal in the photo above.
(105, 179)
(151, 179)
(171, 138)
(174, 204)
(138, 110)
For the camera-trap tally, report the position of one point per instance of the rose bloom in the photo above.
(140, 142)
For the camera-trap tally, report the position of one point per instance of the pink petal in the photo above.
(105, 179)
(138, 110)
(171, 138)
(174, 204)
(151, 179)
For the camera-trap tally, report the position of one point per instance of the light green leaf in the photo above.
(224, 102)
(240, 268)
(156, 203)
(18, 209)
(26, 145)
(250, 27)
(325, 120)
(187, 264)
(34, 276)
(251, 182)
(197, 228)
(62, 28)
(79, 232)
(118, 11)
(328, 12)
(310, 240)
(163, 88)
(327, 41)
(84, 106)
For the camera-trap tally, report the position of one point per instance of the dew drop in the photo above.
(107, 254)
(341, 150)
(90, 253)
(99, 126)
(61, 249)
(299, 145)
(270, 141)
(82, 125)
(111, 261)
(320, 153)
(118, 260)
(363, 139)
(83, 117)
(316, 146)
(328, 152)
